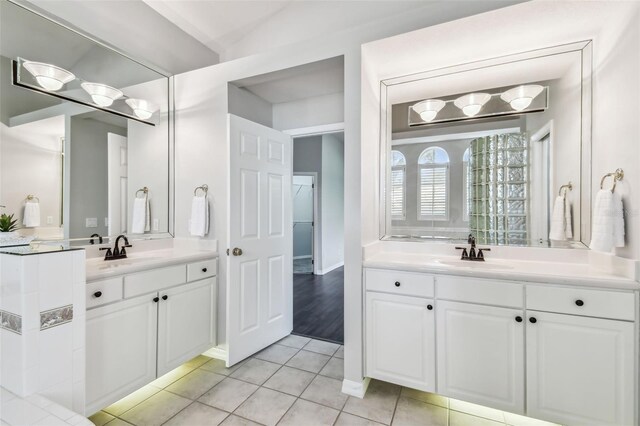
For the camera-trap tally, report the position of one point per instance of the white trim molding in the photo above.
(357, 389)
(329, 269)
(315, 130)
(217, 352)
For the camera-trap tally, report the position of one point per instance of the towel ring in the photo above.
(204, 188)
(617, 176)
(144, 190)
(32, 197)
(567, 187)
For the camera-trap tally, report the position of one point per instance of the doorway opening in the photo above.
(304, 202)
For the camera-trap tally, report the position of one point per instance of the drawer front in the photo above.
(581, 301)
(102, 292)
(399, 282)
(203, 269)
(154, 280)
(473, 290)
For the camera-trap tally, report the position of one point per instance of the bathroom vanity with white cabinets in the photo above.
(145, 317)
(547, 346)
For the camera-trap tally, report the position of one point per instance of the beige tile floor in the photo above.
(296, 382)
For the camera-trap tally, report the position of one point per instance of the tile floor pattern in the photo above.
(297, 382)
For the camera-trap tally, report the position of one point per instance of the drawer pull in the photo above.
(579, 302)
(519, 318)
(533, 320)
(165, 297)
(397, 283)
(430, 307)
(97, 294)
(204, 269)
(156, 299)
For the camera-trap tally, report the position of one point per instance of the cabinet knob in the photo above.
(156, 299)
(579, 302)
(165, 297)
(430, 307)
(97, 294)
(397, 283)
(533, 320)
(204, 269)
(518, 318)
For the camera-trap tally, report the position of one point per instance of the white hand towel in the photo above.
(199, 226)
(608, 222)
(140, 222)
(31, 216)
(561, 220)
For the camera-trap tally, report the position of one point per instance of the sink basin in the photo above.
(474, 264)
(102, 264)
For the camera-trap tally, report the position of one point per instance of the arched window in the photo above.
(398, 179)
(466, 188)
(433, 184)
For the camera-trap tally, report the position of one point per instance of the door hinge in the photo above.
(313, 224)
(313, 185)
(313, 262)
(227, 252)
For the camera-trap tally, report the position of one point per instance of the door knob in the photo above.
(237, 251)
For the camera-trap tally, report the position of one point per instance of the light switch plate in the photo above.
(49, 220)
(156, 224)
(91, 222)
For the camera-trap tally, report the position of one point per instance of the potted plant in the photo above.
(8, 225)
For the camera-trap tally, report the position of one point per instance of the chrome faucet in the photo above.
(117, 252)
(472, 254)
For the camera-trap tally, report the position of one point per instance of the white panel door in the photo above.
(117, 154)
(401, 340)
(260, 276)
(121, 350)
(481, 354)
(186, 323)
(580, 371)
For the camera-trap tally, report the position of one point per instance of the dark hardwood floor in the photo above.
(318, 305)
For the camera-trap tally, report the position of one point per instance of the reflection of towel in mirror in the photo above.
(608, 222)
(31, 216)
(140, 222)
(561, 220)
(199, 226)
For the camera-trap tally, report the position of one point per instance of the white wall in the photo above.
(31, 164)
(202, 151)
(616, 63)
(245, 104)
(332, 193)
(309, 112)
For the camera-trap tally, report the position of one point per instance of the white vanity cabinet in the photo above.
(145, 324)
(566, 354)
(401, 328)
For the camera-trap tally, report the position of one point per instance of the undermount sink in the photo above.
(105, 264)
(458, 263)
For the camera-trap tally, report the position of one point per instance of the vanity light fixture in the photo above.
(521, 97)
(50, 77)
(428, 109)
(472, 103)
(141, 108)
(101, 94)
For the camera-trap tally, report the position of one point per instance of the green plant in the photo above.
(8, 223)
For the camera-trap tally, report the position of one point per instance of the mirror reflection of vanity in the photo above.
(488, 148)
(85, 131)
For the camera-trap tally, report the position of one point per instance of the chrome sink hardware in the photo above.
(117, 253)
(472, 255)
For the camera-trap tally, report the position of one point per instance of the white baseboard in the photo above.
(307, 256)
(357, 389)
(217, 353)
(329, 269)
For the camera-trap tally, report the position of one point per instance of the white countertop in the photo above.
(98, 268)
(569, 273)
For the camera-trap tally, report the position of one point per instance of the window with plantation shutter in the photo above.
(433, 184)
(398, 177)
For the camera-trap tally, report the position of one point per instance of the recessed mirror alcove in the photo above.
(486, 148)
(84, 129)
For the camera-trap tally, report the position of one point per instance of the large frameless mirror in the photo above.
(499, 149)
(85, 143)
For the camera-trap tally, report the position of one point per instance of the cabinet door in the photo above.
(186, 323)
(580, 370)
(481, 354)
(400, 340)
(120, 351)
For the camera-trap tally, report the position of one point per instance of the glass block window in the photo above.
(398, 185)
(499, 189)
(466, 190)
(433, 184)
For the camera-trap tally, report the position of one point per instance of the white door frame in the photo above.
(316, 249)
